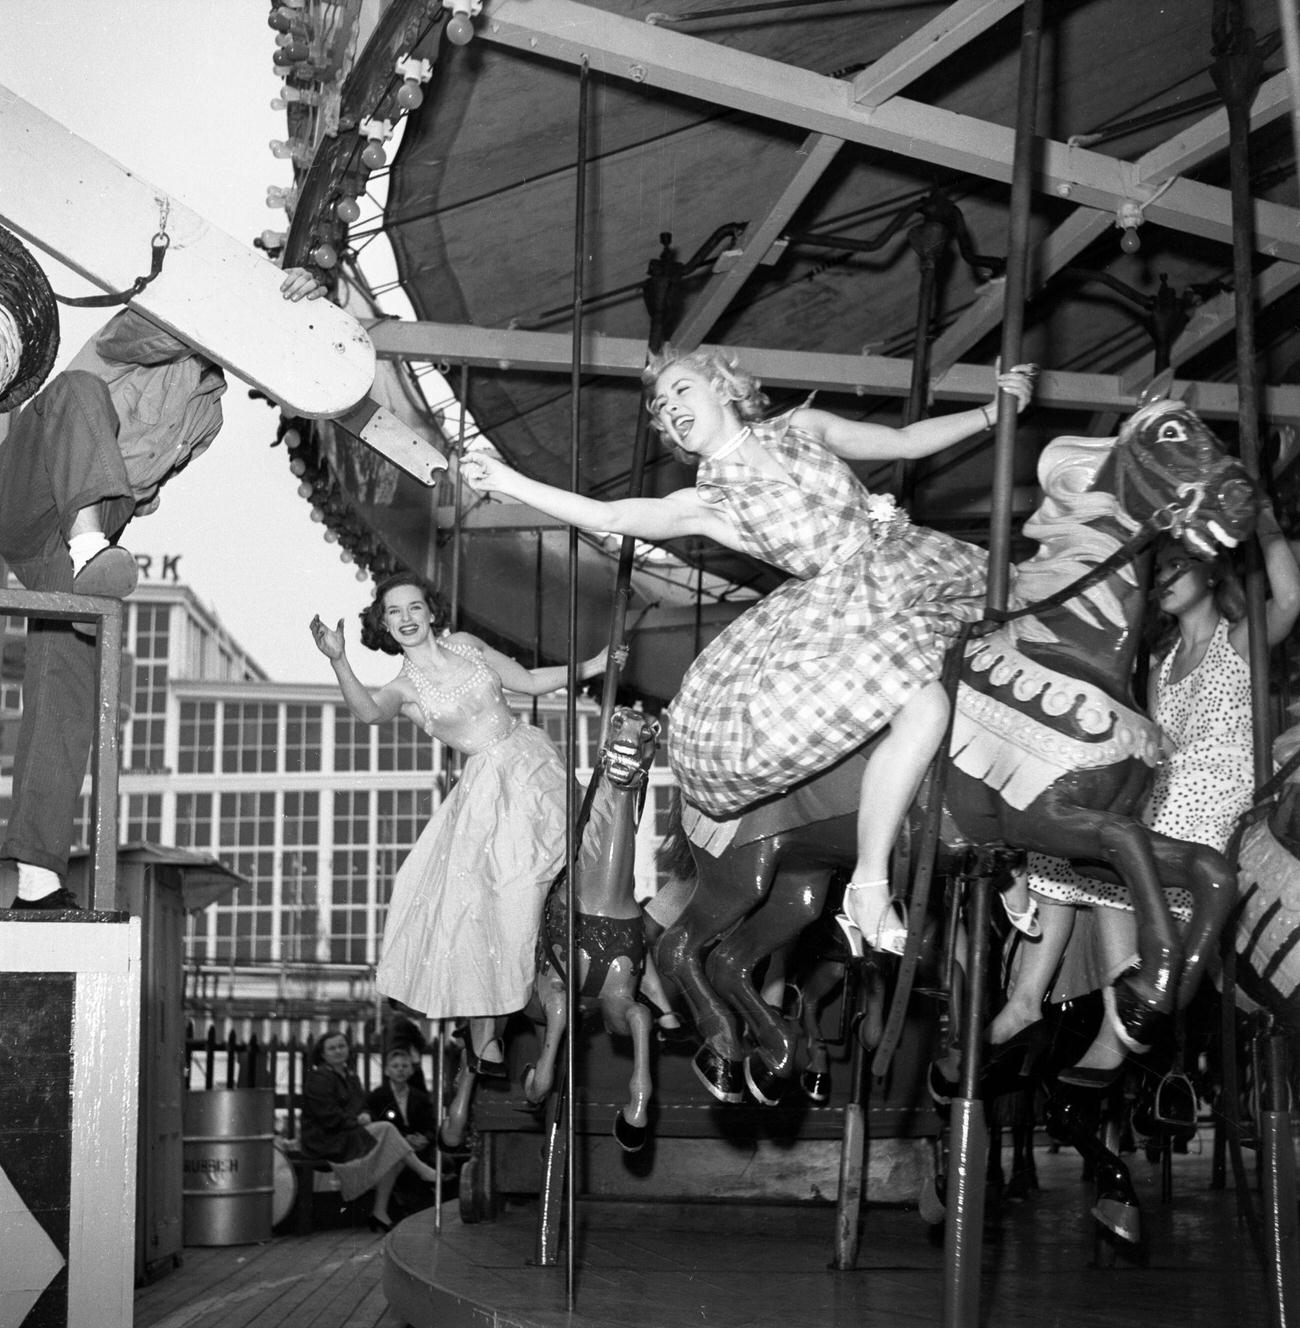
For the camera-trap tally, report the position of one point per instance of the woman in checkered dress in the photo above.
(852, 643)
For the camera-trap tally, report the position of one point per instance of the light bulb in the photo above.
(298, 466)
(317, 515)
(409, 96)
(362, 574)
(331, 536)
(460, 31)
(1130, 242)
(324, 255)
(347, 210)
(304, 489)
(373, 156)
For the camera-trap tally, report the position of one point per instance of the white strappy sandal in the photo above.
(891, 929)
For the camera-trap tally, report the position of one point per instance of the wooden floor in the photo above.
(725, 1266)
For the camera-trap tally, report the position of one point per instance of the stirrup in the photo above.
(891, 927)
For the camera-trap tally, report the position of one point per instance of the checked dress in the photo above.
(829, 657)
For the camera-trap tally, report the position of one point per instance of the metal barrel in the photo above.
(228, 1165)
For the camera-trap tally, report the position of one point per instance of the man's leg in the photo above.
(60, 458)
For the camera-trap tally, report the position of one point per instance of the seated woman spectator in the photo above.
(365, 1154)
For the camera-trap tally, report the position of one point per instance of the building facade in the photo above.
(277, 780)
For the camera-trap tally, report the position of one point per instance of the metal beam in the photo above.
(506, 349)
(1185, 150)
(623, 48)
(927, 47)
(816, 154)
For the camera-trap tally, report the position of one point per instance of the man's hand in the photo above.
(299, 284)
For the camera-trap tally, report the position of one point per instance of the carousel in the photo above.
(734, 1113)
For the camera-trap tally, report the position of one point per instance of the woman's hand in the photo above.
(329, 640)
(1018, 382)
(484, 471)
(597, 664)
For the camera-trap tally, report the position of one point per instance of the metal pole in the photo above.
(1237, 72)
(1281, 1236)
(965, 1208)
(659, 297)
(571, 707)
(1291, 49)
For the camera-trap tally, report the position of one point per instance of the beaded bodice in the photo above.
(470, 716)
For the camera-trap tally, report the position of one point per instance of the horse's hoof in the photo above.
(1134, 1020)
(932, 1202)
(1120, 1217)
(527, 1084)
(631, 1138)
(764, 1082)
(816, 1085)
(723, 1078)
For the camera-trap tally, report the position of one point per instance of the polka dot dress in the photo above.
(1201, 789)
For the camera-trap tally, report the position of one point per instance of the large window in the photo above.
(350, 912)
(143, 819)
(351, 742)
(249, 738)
(246, 844)
(302, 738)
(149, 690)
(197, 747)
(299, 869)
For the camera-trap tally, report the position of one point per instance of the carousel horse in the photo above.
(1048, 753)
(609, 931)
(1267, 936)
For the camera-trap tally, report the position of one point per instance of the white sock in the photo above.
(36, 882)
(85, 546)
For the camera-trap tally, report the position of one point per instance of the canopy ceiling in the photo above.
(746, 142)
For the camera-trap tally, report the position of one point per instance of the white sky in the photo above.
(180, 91)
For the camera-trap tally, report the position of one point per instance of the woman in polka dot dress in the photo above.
(1201, 700)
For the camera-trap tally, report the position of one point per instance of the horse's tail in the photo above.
(673, 856)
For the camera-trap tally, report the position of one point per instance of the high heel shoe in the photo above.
(483, 1068)
(380, 1225)
(1025, 921)
(891, 928)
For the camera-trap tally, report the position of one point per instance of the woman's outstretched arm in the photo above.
(677, 515)
(367, 706)
(537, 682)
(860, 440)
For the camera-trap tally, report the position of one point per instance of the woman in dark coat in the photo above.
(336, 1128)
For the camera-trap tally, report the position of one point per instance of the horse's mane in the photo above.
(1066, 526)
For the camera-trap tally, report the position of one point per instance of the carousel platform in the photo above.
(730, 1265)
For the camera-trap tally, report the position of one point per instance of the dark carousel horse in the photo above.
(609, 932)
(1048, 754)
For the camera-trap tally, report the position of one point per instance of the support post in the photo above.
(967, 1172)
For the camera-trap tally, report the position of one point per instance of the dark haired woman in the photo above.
(1200, 696)
(852, 643)
(462, 922)
(364, 1154)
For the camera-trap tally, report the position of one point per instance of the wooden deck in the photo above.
(742, 1266)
